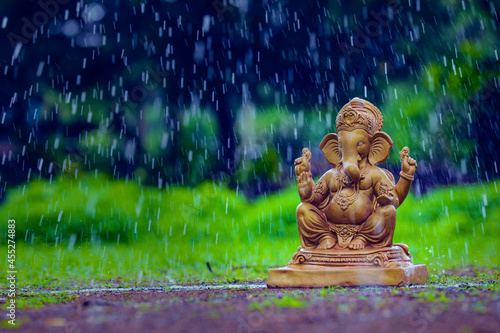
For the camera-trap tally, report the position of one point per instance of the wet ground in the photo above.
(440, 307)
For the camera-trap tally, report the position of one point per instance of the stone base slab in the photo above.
(324, 276)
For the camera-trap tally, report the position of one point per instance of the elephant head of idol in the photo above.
(359, 139)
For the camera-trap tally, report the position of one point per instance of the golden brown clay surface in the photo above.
(346, 220)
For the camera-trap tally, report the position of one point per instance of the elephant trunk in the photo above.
(352, 170)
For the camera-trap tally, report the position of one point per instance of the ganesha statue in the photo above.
(354, 203)
(346, 219)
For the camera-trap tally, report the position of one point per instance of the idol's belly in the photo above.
(349, 209)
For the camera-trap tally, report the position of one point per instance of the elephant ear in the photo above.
(381, 147)
(330, 148)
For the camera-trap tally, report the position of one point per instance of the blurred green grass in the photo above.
(88, 230)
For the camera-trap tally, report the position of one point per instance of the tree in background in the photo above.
(181, 91)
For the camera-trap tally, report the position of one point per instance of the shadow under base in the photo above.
(389, 266)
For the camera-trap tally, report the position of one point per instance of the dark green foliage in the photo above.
(269, 81)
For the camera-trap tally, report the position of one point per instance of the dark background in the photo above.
(176, 92)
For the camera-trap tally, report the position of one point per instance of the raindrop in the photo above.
(40, 164)
(71, 28)
(40, 69)
(17, 50)
(206, 23)
(93, 12)
(72, 241)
